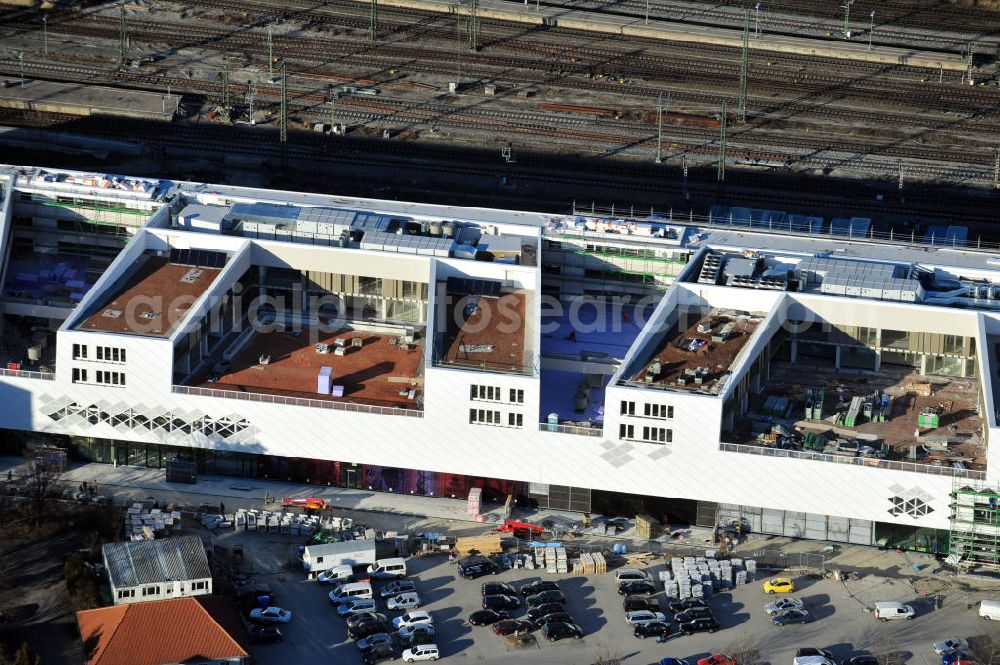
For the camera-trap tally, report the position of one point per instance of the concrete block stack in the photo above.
(143, 522)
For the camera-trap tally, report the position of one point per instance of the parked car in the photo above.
(487, 617)
(892, 610)
(264, 634)
(425, 629)
(373, 640)
(561, 617)
(813, 651)
(629, 588)
(545, 597)
(533, 588)
(686, 604)
(477, 568)
(416, 637)
(364, 618)
(378, 653)
(778, 606)
(693, 614)
(500, 602)
(270, 615)
(791, 616)
(652, 629)
(412, 619)
(512, 627)
(813, 656)
(954, 657)
(779, 585)
(717, 659)
(643, 616)
(861, 660)
(672, 661)
(497, 588)
(950, 644)
(535, 613)
(557, 630)
(351, 611)
(421, 652)
(404, 601)
(701, 625)
(623, 575)
(633, 603)
(367, 629)
(397, 587)
(336, 575)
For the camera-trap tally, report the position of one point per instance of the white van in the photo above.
(990, 610)
(886, 611)
(382, 568)
(335, 575)
(351, 590)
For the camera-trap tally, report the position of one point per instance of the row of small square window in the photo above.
(494, 393)
(661, 411)
(488, 417)
(649, 434)
(154, 590)
(109, 354)
(81, 375)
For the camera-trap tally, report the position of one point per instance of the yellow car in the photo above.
(779, 585)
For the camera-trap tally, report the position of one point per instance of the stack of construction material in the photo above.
(288, 523)
(143, 522)
(550, 560)
(488, 544)
(539, 553)
(562, 563)
(646, 527)
(475, 501)
(751, 566)
(600, 565)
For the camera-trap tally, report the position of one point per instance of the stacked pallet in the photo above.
(646, 527)
(701, 576)
(488, 544)
(558, 557)
(142, 522)
(639, 559)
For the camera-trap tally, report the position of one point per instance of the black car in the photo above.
(471, 571)
(686, 604)
(633, 603)
(812, 651)
(698, 626)
(545, 597)
(368, 628)
(498, 602)
(263, 634)
(356, 621)
(693, 614)
(629, 588)
(861, 660)
(498, 588)
(537, 587)
(652, 629)
(378, 653)
(415, 638)
(791, 616)
(560, 617)
(557, 630)
(487, 617)
(536, 613)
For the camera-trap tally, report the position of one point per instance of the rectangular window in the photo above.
(628, 408)
(516, 396)
(657, 434)
(79, 375)
(626, 431)
(515, 420)
(79, 352)
(661, 411)
(485, 393)
(484, 417)
(100, 353)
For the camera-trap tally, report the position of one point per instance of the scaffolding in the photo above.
(975, 525)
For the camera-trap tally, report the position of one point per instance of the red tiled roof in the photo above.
(159, 632)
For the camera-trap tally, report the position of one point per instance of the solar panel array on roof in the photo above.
(854, 227)
(134, 563)
(467, 286)
(202, 258)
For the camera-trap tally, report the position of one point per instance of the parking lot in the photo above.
(317, 635)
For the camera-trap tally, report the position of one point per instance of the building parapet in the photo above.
(570, 429)
(856, 461)
(25, 374)
(299, 401)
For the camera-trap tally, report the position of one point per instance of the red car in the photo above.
(512, 627)
(718, 659)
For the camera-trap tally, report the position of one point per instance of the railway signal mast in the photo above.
(373, 22)
(741, 114)
(473, 25)
(122, 37)
(847, 18)
(283, 120)
(226, 105)
(250, 99)
(270, 53)
(659, 127)
(996, 168)
(45, 34)
(721, 173)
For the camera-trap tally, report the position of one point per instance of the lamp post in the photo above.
(871, 29)
(756, 10)
(45, 34)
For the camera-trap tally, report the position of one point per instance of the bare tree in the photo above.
(39, 481)
(985, 649)
(886, 647)
(607, 655)
(745, 649)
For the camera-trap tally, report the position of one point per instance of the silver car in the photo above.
(779, 606)
(950, 644)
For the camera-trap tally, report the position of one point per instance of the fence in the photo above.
(47, 376)
(856, 461)
(782, 227)
(300, 401)
(571, 429)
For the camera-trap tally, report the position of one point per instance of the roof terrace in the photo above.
(696, 356)
(157, 294)
(485, 328)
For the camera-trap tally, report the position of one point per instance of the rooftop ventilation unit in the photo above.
(112, 313)
(191, 276)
